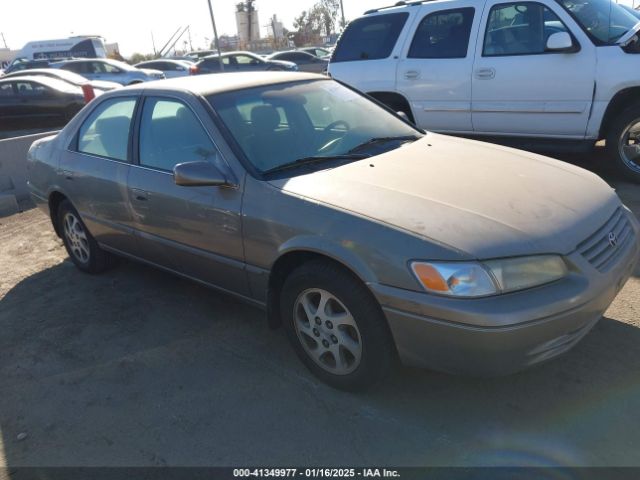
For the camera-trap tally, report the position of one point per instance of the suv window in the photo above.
(370, 38)
(443, 34)
(106, 131)
(170, 133)
(520, 29)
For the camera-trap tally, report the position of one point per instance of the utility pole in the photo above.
(215, 36)
(153, 43)
(342, 11)
(4, 41)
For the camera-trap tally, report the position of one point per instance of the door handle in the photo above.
(140, 195)
(485, 73)
(411, 74)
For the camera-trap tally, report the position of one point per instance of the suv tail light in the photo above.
(88, 92)
(193, 70)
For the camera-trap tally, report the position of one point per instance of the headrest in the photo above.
(105, 125)
(265, 117)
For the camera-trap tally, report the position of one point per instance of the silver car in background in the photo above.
(109, 70)
(365, 237)
(99, 86)
(170, 68)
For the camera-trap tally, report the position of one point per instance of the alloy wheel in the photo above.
(327, 331)
(76, 237)
(629, 146)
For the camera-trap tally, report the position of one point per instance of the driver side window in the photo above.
(170, 133)
(520, 29)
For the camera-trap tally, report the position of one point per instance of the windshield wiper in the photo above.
(378, 140)
(317, 159)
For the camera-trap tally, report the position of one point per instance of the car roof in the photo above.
(224, 82)
(46, 81)
(48, 72)
(170, 60)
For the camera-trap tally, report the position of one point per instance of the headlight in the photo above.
(475, 279)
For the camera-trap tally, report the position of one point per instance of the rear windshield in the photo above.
(370, 38)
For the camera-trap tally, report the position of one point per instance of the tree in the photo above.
(320, 19)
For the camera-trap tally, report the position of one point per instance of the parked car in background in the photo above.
(241, 62)
(319, 52)
(21, 65)
(170, 68)
(198, 54)
(550, 74)
(99, 86)
(365, 237)
(110, 70)
(306, 62)
(37, 102)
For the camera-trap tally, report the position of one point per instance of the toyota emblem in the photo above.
(613, 239)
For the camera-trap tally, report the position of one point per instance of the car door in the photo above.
(434, 69)
(94, 172)
(9, 119)
(195, 231)
(522, 88)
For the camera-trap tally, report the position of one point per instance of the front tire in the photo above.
(623, 143)
(336, 326)
(80, 244)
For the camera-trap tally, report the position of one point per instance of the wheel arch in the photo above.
(395, 101)
(620, 102)
(55, 199)
(295, 256)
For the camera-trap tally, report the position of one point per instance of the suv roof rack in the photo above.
(401, 3)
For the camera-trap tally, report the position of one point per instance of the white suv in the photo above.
(558, 72)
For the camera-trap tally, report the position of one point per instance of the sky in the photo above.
(130, 22)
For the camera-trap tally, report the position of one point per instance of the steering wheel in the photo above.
(326, 130)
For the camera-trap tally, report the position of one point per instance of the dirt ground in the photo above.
(139, 368)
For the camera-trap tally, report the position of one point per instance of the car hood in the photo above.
(484, 200)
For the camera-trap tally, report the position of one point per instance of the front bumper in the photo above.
(503, 334)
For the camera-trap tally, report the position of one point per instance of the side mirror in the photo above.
(403, 116)
(199, 174)
(560, 42)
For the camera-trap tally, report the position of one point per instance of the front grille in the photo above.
(598, 249)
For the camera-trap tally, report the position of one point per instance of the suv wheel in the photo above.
(623, 143)
(335, 326)
(81, 246)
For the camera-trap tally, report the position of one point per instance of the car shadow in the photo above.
(138, 367)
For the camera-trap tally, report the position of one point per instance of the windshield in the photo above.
(278, 124)
(604, 20)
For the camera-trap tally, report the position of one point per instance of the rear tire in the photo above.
(346, 343)
(80, 244)
(623, 143)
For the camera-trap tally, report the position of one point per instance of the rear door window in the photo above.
(443, 35)
(105, 132)
(370, 38)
